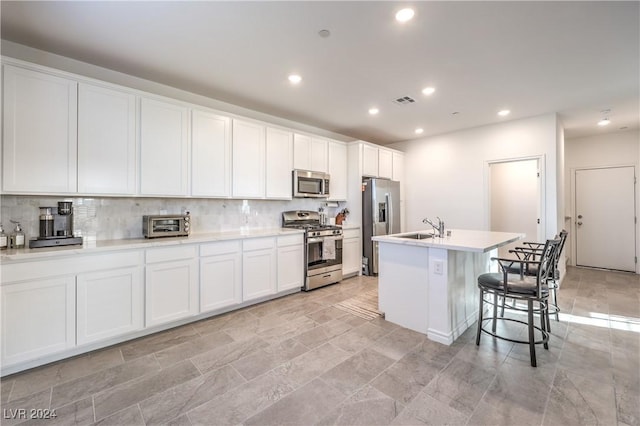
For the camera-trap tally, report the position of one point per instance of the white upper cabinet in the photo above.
(398, 166)
(40, 132)
(337, 171)
(385, 163)
(310, 153)
(319, 153)
(301, 152)
(248, 159)
(164, 148)
(210, 154)
(369, 161)
(106, 141)
(279, 163)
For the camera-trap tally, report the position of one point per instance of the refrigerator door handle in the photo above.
(389, 213)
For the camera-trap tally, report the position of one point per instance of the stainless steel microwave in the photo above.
(166, 225)
(310, 184)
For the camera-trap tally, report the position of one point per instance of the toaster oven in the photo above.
(155, 226)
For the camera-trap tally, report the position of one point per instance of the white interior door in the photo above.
(605, 218)
(515, 199)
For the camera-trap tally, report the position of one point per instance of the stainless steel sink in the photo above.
(416, 236)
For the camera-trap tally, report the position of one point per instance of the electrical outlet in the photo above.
(438, 265)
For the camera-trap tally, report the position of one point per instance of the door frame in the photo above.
(542, 195)
(572, 219)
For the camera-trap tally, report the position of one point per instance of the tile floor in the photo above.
(300, 361)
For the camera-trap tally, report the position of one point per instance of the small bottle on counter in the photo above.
(18, 238)
(4, 241)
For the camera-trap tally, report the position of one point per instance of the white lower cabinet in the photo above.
(220, 275)
(290, 262)
(109, 303)
(259, 272)
(100, 298)
(171, 284)
(351, 252)
(38, 318)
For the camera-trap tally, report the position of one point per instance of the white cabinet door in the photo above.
(171, 291)
(39, 150)
(319, 151)
(279, 163)
(220, 275)
(109, 303)
(164, 148)
(351, 258)
(338, 171)
(301, 152)
(259, 268)
(210, 154)
(385, 163)
(38, 318)
(398, 167)
(248, 159)
(290, 267)
(369, 161)
(106, 141)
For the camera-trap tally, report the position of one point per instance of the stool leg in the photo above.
(495, 311)
(544, 321)
(480, 313)
(532, 345)
(555, 303)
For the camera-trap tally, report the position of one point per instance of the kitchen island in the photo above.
(428, 284)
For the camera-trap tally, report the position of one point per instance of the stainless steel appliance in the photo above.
(380, 216)
(323, 254)
(310, 184)
(167, 225)
(56, 227)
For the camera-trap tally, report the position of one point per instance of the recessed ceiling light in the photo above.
(373, 111)
(295, 78)
(324, 33)
(504, 113)
(419, 131)
(428, 91)
(604, 122)
(404, 15)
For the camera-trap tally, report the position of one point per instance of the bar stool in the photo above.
(520, 287)
(530, 251)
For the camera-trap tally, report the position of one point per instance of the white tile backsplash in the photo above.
(121, 218)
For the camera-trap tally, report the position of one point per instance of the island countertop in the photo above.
(459, 240)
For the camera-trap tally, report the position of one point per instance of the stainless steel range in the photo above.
(323, 255)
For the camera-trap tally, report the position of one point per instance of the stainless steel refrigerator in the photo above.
(380, 216)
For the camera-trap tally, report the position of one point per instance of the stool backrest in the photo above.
(547, 263)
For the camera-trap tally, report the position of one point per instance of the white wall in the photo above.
(446, 175)
(600, 150)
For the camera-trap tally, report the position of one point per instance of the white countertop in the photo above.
(12, 255)
(460, 240)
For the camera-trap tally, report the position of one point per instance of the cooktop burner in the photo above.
(307, 220)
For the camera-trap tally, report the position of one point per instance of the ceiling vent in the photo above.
(404, 100)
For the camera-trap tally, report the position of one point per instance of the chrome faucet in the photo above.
(439, 228)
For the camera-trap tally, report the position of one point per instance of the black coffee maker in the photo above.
(56, 227)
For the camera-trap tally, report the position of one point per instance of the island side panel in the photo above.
(403, 281)
(463, 268)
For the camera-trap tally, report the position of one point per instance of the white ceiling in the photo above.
(574, 58)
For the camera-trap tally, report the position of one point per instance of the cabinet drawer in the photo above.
(351, 233)
(290, 240)
(171, 253)
(57, 266)
(223, 247)
(258, 243)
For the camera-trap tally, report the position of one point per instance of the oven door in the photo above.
(324, 262)
(320, 256)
